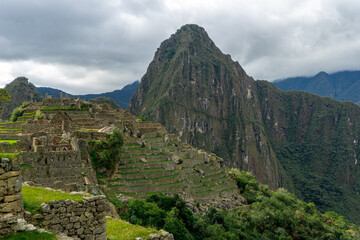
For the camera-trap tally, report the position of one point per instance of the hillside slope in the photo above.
(342, 86)
(20, 91)
(306, 143)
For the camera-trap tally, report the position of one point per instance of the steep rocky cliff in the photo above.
(195, 90)
(303, 142)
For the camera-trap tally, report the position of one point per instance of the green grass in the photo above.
(22, 166)
(117, 185)
(151, 179)
(86, 130)
(132, 144)
(121, 230)
(33, 235)
(11, 142)
(155, 172)
(33, 197)
(153, 137)
(9, 155)
(227, 190)
(115, 180)
(156, 168)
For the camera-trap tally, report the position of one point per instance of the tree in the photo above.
(4, 98)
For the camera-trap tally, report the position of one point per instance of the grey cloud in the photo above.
(110, 43)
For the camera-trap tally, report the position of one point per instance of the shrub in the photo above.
(145, 213)
(105, 153)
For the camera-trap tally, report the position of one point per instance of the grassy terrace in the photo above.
(140, 162)
(151, 179)
(228, 190)
(10, 129)
(9, 155)
(155, 172)
(158, 137)
(121, 230)
(11, 142)
(212, 181)
(148, 155)
(33, 197)
(132, 144)
(178, 183)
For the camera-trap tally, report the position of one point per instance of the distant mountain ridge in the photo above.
(121, 97)
(342, 86)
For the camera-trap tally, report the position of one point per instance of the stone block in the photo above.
(74, 219)
(15, 206)
(102, 236)
(69, 226)
(80, 231)
(101, 207)
(77, 225)
(15, 168)
(56, 228)
(12, 198)
(3, 191)
(5, 231)
(100, 229)
(45, 207)
(9, 174)
(90, 237)
(3, 183)
(154, 236)
(55, 220)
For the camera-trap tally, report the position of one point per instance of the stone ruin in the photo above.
(55, 153)
(81, 220)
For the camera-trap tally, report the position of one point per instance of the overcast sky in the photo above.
(94, 46)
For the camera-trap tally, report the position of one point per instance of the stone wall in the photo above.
(84, 220)
(11, 205)
(50, 167)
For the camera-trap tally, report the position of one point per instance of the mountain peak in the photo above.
(321, 74)
(188, 37)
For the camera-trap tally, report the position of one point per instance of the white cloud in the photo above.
(90, 46)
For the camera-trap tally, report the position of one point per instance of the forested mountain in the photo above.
(121, 97)
(303, 142)
(20, 91)
(342, 86)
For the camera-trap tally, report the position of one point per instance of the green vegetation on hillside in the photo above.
(105, 153)
(268, 215)
(4, 96)
(18, 112)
